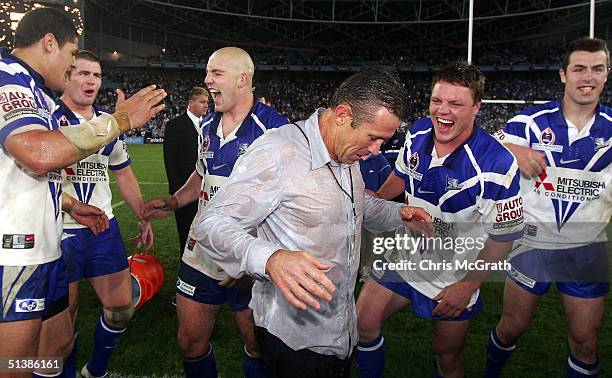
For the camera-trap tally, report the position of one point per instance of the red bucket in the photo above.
(147, 277)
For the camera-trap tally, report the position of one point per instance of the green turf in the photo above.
(149, 348)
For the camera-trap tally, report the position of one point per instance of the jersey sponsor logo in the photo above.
(531, 230)
(218, 166)
(55, 176)
(442, 229)
(413, 165)
(567, 189)
(191, 242)
(242, 148)
(207, 155)
(500, 135)
(453, 184)
(520, 277)
(29, 305)
(17, 102)
(185, 287)
(18, 241)
(509, 213)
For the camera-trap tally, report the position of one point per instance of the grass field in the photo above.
(149, 348)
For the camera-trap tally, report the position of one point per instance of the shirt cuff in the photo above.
(257, 257)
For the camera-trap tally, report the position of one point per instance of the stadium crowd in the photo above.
(295, 97)
(485, 55)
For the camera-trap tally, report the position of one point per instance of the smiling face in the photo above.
(85, 81)
(585, 77)
(354, 143)
(229, 75)
(452, 110)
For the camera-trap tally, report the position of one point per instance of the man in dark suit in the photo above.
(181, 153)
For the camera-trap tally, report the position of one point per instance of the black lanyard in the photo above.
(351, 196)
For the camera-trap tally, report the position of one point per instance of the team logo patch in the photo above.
(601, 143)
(29, 305)
(205, 143)
(185, 287)
(413, 164)
(547, 141)
(242, 148)
(453, 184)
(18, 241)
(547, 136)
(63, 121)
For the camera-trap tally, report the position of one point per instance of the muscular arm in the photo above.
(163, 207)
(190, 191)
(41, 151)
(130, 190)
(393, 187)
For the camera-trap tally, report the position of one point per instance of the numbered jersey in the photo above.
(569, 205)
(30, 204)
(471, 194)
(216, 160)
(87, 180)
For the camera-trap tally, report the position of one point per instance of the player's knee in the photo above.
(584, 345)
(367, 329)
(511, 327)
(119, 316)
(190, 345)
(448, 353)
(368, 324)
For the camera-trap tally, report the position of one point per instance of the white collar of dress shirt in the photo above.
(194, 118)
(318, 149)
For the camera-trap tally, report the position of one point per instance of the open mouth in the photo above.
(586, 89)
(216, 94)
(444, 124)
(89, 92)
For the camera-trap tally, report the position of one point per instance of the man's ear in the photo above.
(49, 43)
(344, 114)
(562, 75)
(243, 80)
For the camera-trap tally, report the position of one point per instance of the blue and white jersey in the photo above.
(570, 203)
(375, 170)
(216, 159)
(30, 204)
(87, 180)
(471, 194)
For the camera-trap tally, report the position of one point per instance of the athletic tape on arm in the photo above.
(90, 136)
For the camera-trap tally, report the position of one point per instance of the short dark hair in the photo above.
(586, 44)
(38, 22)
(464, 74)
(368, 90)
(198, 91)
(89, 56)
